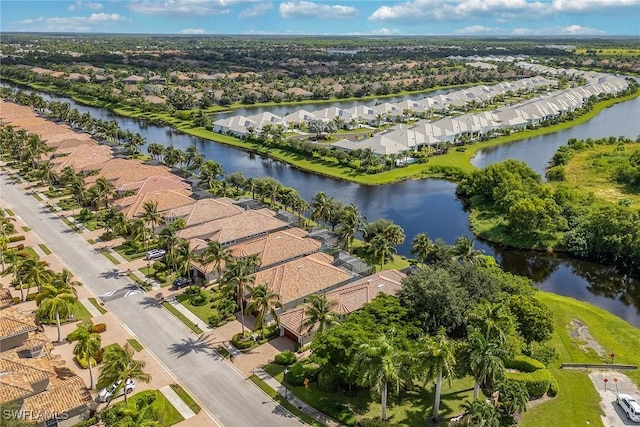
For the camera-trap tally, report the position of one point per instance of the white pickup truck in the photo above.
(630, 406)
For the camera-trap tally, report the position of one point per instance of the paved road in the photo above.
(230, 398)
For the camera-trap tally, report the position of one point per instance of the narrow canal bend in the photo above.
(431, 206)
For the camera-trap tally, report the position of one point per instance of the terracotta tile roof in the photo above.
(205, 210)
(277, 247)
(34, 344)
(124, 171)
(67, 392)
(18, 375)
(229, 230)
(5, 298)
(83, 158)
(301, 277)
(168, 192)
(14, 321)
(348, 298)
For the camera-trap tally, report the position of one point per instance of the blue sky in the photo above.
(335, 17)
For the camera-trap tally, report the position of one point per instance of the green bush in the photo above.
(98, 356)
(87, 423)
(296, 374)
(545, 354)
(537, 382)
(82, 362)
(16, 300)
(32, 297)
(286, 358)
(199, 299)
(329, 381)
(524, 363)
(556, 173)
(553, 387)
(16, 238)
(311, 371)
(159, 266)
(214, 319)
(108, 235)
(241, 342)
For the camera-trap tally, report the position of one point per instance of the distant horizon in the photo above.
(374, 18)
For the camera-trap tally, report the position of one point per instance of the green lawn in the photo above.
(44, 248)
(578, 402)
(95, 303)
(410, 408)
(186, 398)
(164, 412)
(81, 313)
(203, 311)
(135, 344)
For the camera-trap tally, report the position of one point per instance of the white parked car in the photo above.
(107, 393)
(630, 406)
(155, 254)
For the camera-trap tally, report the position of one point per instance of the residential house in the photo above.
(121, 172)
(343, 300)
(166, 192)
(204, 210)
(296, 279)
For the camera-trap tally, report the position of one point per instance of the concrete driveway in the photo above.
(617, 383)
(221, 390)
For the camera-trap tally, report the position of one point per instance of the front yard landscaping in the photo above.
(160, 409)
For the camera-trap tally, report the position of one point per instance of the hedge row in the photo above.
(533, 374)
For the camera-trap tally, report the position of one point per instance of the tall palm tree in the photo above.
(152, 218)
(87, 345)
(463, 250)
(421, 246)
(513, 397)
(214, 254)
(6, 228)
(136, 417)
(436, 358)
(381, 248)
(321, 207)
(319, 313)
(237, 275)
(64, 280)
(55, 302)
(184, 257)
(494, 321)
(118, 364)
(35, 271)
(16, 267)
(380, 365)
(264, 302)
(350, 224)
(483, 359)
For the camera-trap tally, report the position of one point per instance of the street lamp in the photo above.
(286, 390)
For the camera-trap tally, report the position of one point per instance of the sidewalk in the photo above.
(188, 314)
(282, 391)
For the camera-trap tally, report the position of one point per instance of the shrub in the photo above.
(98, 328)
(545, 354)
(16, 238)
(553, 387)
(98, 356)
(159, 266)
(286, 358)
(328, 381)
(87, 423)
(108, 235)
(16, 300)
(226, 307)
(296, 374)
(82, 362)
(214, 319)
(32, 297)
(537, 382)
(556, 173)
(199, 299)
(20, 247)
(241, 342)
(524, 364)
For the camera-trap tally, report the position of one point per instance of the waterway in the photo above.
(431, 206)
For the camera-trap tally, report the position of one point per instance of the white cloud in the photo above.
(80, 5)
(307, 9)
(478, 29)
(256, 10)
(74, 24)
(192, 31)
(184, 7)
(570, 30)
(500, 10)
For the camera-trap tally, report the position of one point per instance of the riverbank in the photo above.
(452, 165)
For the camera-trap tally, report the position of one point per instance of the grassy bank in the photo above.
(452, 163)
(578, 402)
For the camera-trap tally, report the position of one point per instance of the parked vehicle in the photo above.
(181, 282)
(630, 406)
(106, 394)
(155, 253)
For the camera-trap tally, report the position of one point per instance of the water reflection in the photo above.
(431, 205)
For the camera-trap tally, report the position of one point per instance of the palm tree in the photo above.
(16, 267)
(236, 277)
(319, 312)
(152, 218)
(64, 280)
(379, 365)
(214, 254)
(184, 257)
(138, 416)
(55, 302)
(513, 397)
(350, 224)
(87, 345)
(264, 302)
(36, 271)
(437, 359)
(118, 365)
(483, 359)
(482, 414)
(421, 246)
(494, 321)
(6, 228)
(321, 207)
(463, 251)
(381, 248)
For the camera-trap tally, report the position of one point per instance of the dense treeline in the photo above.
(523, 211)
